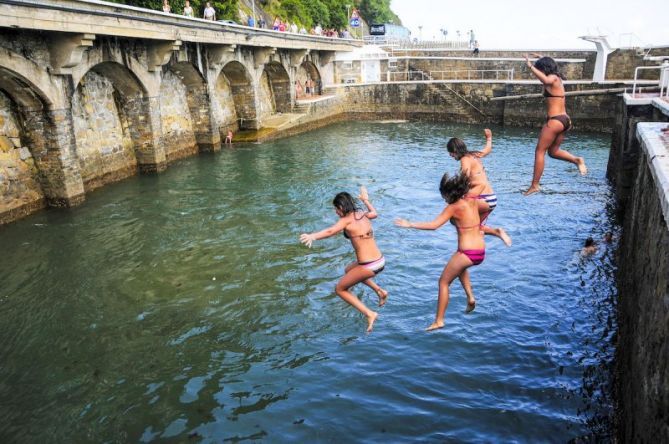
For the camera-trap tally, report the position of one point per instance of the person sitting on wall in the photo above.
(228, 138)
(476, 47)
(209, 12)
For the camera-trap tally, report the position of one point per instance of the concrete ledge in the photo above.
(103, 18)
(656, 146)
(662, 103)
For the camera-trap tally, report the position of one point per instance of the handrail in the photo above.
(636, 74)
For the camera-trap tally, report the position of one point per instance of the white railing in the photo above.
(475, 74)
(662, 69)
(407, 76)
(403, 44)
(469, 74)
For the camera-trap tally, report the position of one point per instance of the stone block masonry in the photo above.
(642, 353)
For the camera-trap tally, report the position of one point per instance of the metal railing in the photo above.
(402, 44)
(663, 76)
(470, 74)
(476, 74)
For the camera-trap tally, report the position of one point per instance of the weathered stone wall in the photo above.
(625, 148)
(469, 102)
(20, 190)
(443, 69)
(224, 107)
(622, 62)
(642, 353)
(266, 102)
(104, 146)
(178, 137)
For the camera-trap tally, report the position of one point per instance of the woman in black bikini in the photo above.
(356, 226)
(557, 122)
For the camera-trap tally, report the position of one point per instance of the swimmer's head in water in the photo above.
(453, 188)
(589, 242)
(548, 66)
(457, 147)
(344, 202)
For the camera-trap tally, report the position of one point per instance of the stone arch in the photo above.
(35, 143)
(113, 58)
(29, 85)
(184, 110)
(236, 98)
(274, 90)
(112, 124)
(307, 70)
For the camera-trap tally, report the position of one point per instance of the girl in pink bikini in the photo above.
(356, 225)
(464, 214)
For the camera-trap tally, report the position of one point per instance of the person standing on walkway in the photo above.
(209, 12)
(472, 39)
(557, 123)
(188, 10)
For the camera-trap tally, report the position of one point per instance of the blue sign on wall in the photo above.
(355, 22)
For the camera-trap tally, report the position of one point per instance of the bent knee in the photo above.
(339, 289)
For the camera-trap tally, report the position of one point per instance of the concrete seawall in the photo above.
(639, 169)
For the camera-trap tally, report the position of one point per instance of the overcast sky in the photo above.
(539, 24)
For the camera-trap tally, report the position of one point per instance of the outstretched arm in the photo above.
(364, 197)
(488, 144)
(440, 220)
(308, 238)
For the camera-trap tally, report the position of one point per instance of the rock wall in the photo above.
(622, 168)
(266, 102)
(20, 190)
(224, 107)
(622, 62)
(642, 354)
(104, 145)
(175, 118)
(469, 102)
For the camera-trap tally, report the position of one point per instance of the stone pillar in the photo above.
(143, 114)
(205, 126)
(51, 137)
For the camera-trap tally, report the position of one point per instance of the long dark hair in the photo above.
(344, 202)
(457, 147)
(454, 188)
(548, 66)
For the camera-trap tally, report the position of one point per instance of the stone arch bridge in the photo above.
(93, 92)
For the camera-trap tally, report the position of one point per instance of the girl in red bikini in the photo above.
(356, 225)
(557, 121)
(464, 214)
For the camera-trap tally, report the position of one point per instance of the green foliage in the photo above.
(307, 13)
(378, 11)
(225, 9)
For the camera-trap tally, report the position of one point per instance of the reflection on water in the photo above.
(182, 305)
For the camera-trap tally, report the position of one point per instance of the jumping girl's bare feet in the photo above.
(505, 237)
(580, 163)
(531, 190)
(470, 307)
(370, 320)
(383, 296)
(435, 326)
